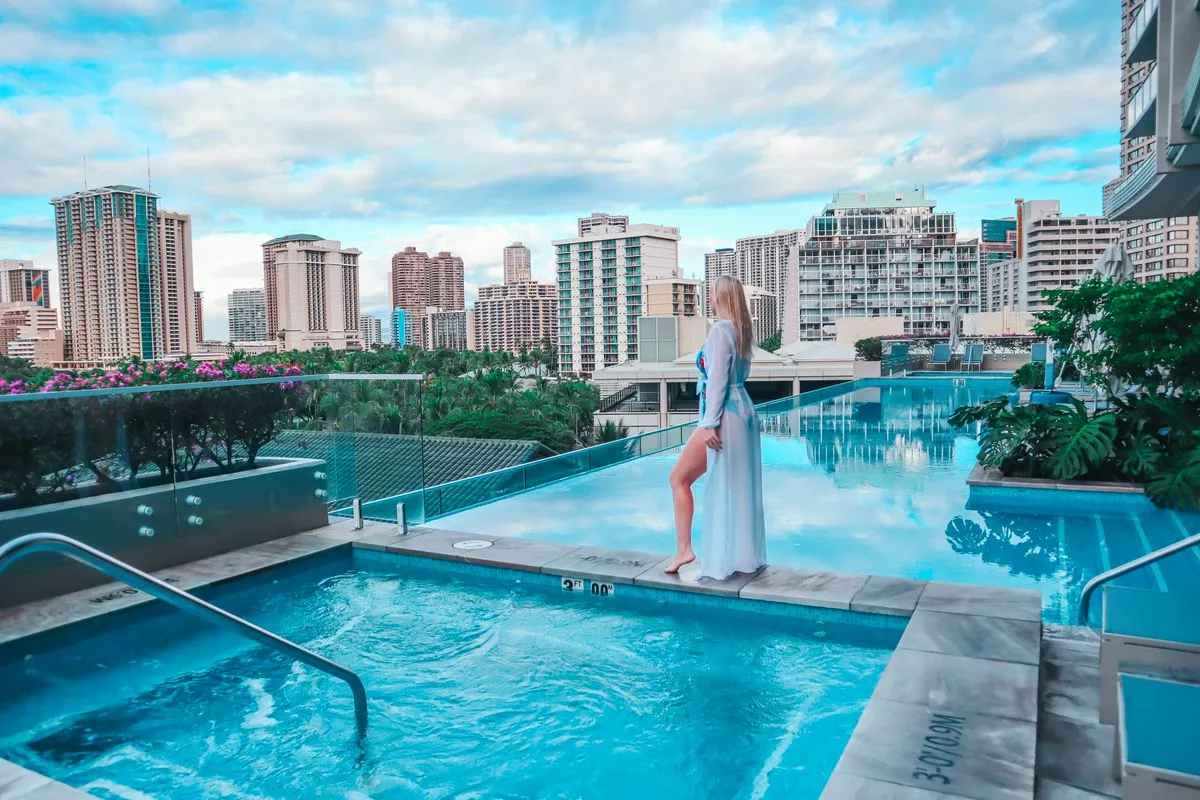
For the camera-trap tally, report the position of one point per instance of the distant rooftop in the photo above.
(118, 187)
(295, 237)
(914, 198)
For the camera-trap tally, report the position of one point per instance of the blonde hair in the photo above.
(731, 300)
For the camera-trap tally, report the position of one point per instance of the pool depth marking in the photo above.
(126, 591)
(946, 731)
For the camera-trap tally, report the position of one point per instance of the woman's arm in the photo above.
(718, 360)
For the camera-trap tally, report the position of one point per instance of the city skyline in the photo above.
(714, 160)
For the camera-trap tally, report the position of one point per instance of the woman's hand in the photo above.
(709, 437)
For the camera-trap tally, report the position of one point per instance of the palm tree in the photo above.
(609, 432)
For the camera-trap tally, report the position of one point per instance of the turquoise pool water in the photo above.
(478, 687)
(872, 481)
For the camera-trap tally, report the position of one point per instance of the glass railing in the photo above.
(1141, 22)
(1143, 98)
(163, 474)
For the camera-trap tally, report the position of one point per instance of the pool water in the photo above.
(872, 481)
(478, 687)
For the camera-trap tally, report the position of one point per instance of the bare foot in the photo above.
(686, 557)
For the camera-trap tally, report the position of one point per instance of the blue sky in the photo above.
(464, 125)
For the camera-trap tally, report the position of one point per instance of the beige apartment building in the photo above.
(1053, 252)
(518, 264)
(672, 297)
(444, 329)
(22, 282)
(764, 312)
(515, 316)
(311, 288)
(180, 301)
(30, 331)
(418, 282)
(1161, 248)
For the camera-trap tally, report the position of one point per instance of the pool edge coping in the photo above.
(956, 625)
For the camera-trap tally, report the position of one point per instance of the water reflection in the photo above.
(1023, 545)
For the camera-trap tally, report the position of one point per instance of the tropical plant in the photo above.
(609, 431)
(1147, 434)
(772, 343)
(1031, 375)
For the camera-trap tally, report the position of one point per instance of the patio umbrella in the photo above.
(1113, 264)
(955, 321)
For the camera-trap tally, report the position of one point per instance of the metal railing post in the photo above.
(401, 520)
(356, 507)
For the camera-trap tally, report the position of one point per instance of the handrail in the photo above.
(1091, 586)
(57, 543)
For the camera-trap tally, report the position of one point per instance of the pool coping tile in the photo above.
(19, 783)
(982, 601)
(847, 786)
(991, 638)
(686, 580)
(954, 684)
(820, 588)
(615, 566)
(528, 555)
(897, 597)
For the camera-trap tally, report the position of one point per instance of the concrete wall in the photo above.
(851, 329)
(999, 323)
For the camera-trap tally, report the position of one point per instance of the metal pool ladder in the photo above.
(184, 601)
(1085, 598)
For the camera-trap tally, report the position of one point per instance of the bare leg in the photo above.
(692, 463)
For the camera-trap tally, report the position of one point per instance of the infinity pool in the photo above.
(478, 687)
(872, 481)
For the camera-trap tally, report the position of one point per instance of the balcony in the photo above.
(1143, 34)
(1140, 114)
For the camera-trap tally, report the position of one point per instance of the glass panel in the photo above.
(548, 470)
(95, 466)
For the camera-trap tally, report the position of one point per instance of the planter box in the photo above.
(277, 498)
(989, 490)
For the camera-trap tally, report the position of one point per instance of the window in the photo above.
(1135, 230)
(1177, 234)
(1177, 248)
(1136, 243)
(1156, 225)
(1177, 262)
(1155, 239)
(1180, 220)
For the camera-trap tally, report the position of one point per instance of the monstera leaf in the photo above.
(983, 412)
(1177, 484)
(1079, 443)
(1140, 457)
(1010, 436)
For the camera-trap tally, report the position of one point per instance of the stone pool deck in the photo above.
(957, 712)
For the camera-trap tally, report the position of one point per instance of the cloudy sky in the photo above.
(466, 124)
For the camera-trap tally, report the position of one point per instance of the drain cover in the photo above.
(472, 544)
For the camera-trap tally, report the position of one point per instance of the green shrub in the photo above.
(1030, 376)
(870, 349)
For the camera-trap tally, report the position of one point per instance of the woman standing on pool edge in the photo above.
(726, 444)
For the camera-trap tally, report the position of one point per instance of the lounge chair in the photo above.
(1037, 353)
(940, 356)
(1155, 753)
(1140, 626)
(972, 357)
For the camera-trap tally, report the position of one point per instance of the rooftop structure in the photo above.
(311, 292)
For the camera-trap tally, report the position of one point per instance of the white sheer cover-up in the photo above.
(732, 529)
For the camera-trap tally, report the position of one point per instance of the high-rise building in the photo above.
(997, 240)
(110, 269)
(418, 282)
(247, 315)
(401, 329)
(518, 264)
(602, 223)
(444, 329)
(22, 282)
(178, 301)
(671, 297)
(30, 331)
(1055, 252)
(199, 317)
(764, 312)
(722, 261)
(311, 288)
(600, 278)
(762, 261)
(1157, 248)
(515, 316)
(1160, 149)
(371, 328)
(880, 254)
